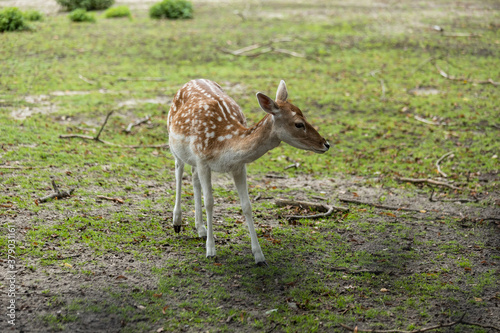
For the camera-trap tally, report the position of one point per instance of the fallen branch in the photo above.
(137, 123)
(432, 199)
(96, 138)
(439, 161)
(117, 200)
(424, 329)
(382, 85)
(60, 257)
(84, 79)
(14, 167)
(326, 209)
(459, 34)
(359, 202)
(294, 165)
(428, 181)
(426, 121)
(357, 271)
(157, 79)
(58, 194)
(454, 78)
(264, 48)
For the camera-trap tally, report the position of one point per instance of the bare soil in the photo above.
(109, 273)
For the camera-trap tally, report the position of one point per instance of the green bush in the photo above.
(12, 19)
(81, 15)
(70, 5)
(33, 15)
(172, 9)
(118, 11)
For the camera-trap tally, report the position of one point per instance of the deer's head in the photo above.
(290, 124)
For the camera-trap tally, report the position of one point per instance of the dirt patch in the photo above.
(51, 290)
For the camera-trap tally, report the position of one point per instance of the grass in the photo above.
(365, 76)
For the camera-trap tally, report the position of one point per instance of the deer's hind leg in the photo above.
(177, 215)
(198, 215)
(205, 177)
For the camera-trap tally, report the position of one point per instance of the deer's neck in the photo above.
(258, 140)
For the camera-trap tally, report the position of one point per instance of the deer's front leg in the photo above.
(198, 216)
(240, 180)
(179, 169)
(205, 177)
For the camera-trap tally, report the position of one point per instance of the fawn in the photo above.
(208, 131)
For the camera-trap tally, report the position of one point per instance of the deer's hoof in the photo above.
(262, 264)
(177, 228)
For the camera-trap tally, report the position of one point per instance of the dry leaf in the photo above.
(384, 290)
(121, 277)
(158, 295)
(477, 299)
(67, 265)
(164, 309)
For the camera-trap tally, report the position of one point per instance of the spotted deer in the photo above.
(208, 131)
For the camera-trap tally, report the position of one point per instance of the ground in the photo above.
(89, 264)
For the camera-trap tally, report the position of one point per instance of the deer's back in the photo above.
(202, 120)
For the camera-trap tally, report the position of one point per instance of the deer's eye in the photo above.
(299, 125)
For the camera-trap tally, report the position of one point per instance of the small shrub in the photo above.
(70, 5)
(81, 15)
(12, 19)
(33, 15)
(172, 9)
(118, 11)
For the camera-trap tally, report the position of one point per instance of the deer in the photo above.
(208, 131)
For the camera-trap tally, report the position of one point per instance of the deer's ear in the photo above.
(267, 104)
(282, 93)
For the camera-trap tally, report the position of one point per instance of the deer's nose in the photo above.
(327, 145)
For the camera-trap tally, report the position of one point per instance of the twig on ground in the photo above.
(459, 34)
(382, 85)
(14, 167)
(359, 202)
(96, 138)
(83, 78)
(356, 271)
(426, 121)
(103, 124)
(264, 48)
(439, 161)
(61, 258)
(58, 194)
(432, 199)
(480, 325)
(269, 175)
(428, 181)
(424, 329)
(137, 123)
(454, 78)
(326, 209)
(294, 165)
(157, 79)
(117, 200)
(318, 197)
